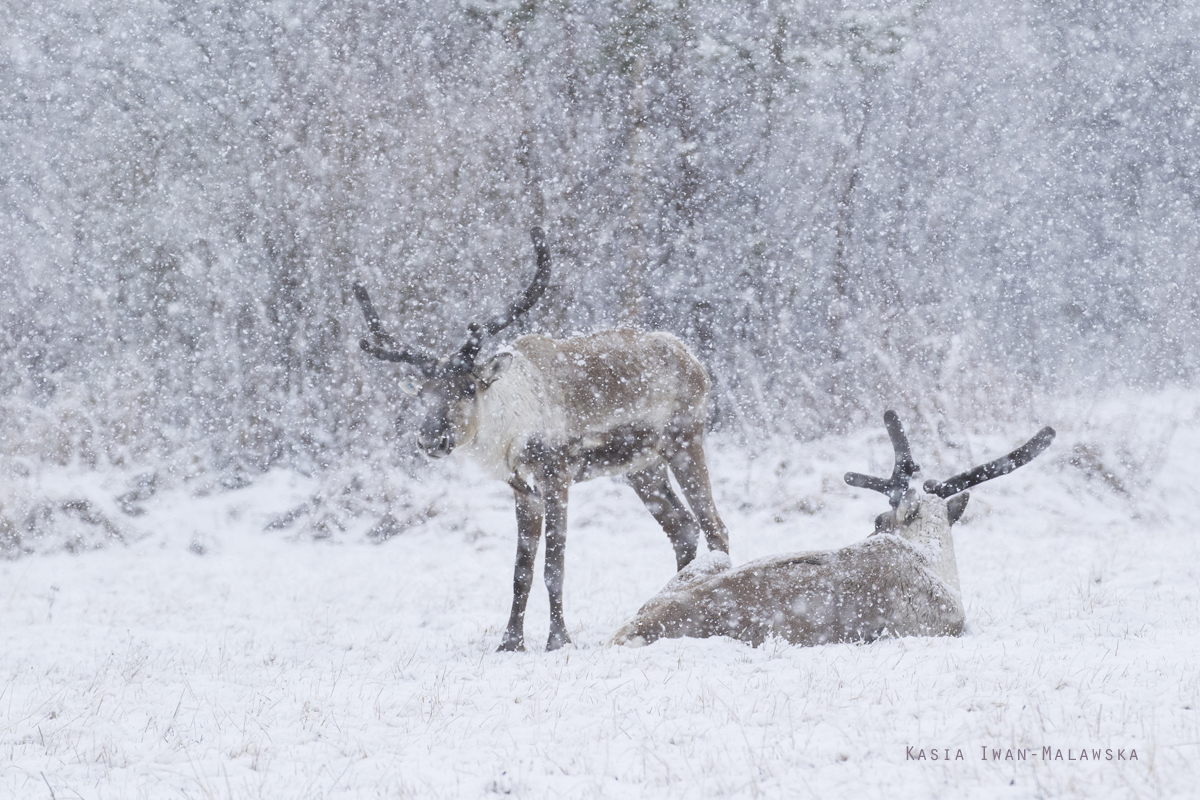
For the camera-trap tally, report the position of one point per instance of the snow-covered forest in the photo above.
(225, 571)
(937, 206)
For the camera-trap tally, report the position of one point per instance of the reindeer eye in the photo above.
(911, 515)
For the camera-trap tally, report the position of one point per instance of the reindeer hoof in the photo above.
(557, 641)
(511, 646)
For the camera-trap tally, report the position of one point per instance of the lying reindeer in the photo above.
(900, 581)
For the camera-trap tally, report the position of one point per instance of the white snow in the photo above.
(277, 668)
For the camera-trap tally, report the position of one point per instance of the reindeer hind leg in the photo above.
(653, 486)
(691, 470)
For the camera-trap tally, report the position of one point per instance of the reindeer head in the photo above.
(914, 516)
(450, 387)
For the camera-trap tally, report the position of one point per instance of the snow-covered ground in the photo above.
(213, 658)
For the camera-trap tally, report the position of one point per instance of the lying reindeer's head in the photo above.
(450, 387)
(944, 502)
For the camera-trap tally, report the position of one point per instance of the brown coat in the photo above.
(893, 584)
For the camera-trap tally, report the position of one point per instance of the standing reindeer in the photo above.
(900, 581)
(547, 413)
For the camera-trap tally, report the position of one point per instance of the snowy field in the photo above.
(211, 658)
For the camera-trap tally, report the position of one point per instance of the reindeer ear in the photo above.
(957, 505)
(489, 372)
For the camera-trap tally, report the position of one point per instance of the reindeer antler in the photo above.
(993, 469)
(905, 468)
(385, 347)
(541, 279)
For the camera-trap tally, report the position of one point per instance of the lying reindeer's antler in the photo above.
(905, 468)
(385, 347)
(465, 357)
(993, 469)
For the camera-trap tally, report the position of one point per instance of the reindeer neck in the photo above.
(507, 418)
(930, 534)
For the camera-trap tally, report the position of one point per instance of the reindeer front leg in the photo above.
(529, 531)
(555, 490)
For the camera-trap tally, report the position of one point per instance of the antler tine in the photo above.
(993, 469)
(905, 466)
(535, 290)
(533, 293)
(373, 323)
(895, 486)
(385, 347)
(867, 482)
